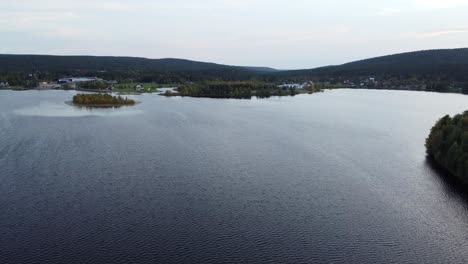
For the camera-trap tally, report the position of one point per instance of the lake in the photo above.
(333, 177)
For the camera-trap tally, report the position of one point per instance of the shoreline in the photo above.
(71, 103)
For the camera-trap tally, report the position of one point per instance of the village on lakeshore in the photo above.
(95, 84)
(76, 83)
(101, 85)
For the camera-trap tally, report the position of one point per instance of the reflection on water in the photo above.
(453, 187)
(335, 177)
(50, 109)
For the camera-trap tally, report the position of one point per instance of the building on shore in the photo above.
(298, 86)
(78, 80)
(49, 85)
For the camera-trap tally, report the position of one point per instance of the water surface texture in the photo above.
(334, 177)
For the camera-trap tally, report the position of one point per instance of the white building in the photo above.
(138, 87)
(298, 86)
(79, 79)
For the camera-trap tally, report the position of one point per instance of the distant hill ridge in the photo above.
(439, 56)
(98, 63)
(451, 63)
(443, 63)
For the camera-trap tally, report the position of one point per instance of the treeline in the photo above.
(447, 144)
(133, 76)
(240, 90)
(19, 79)
(94, 85)
(32, 79)
(101, 99)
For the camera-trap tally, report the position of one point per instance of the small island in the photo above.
(101, 100)
(447, 145)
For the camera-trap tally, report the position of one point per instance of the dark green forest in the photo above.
(94, 86)
(431, 70)
(447, 145)
(240, 90)
(443, 65)
(28, 70)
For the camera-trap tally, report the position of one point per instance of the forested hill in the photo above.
(16, 68)
(15, 63)
(450, 64)
(420, 70)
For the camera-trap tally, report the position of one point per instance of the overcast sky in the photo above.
(285, 34)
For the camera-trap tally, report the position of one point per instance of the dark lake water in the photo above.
(335, 177)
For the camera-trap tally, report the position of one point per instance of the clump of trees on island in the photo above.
(233, 89)
(447, 144)
(101, 100)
